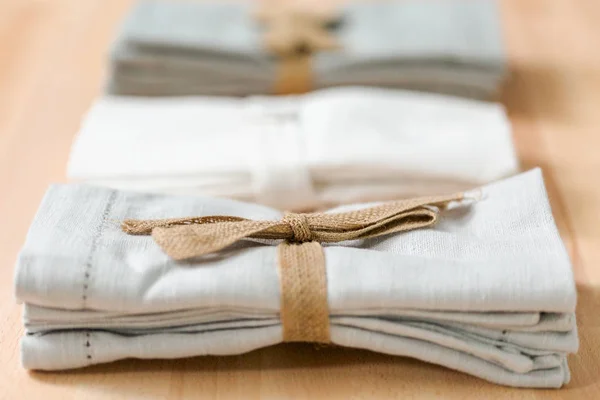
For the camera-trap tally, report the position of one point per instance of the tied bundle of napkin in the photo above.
(488, 290)
(221, 48)
(322, 149)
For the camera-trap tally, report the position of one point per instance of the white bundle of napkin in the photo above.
(296, 152)
(489, 290)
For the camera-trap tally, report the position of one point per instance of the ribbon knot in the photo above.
(301, 232)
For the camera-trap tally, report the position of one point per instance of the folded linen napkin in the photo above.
(216, 48)
(488, 290)
(328, 147)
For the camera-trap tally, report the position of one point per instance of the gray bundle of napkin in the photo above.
(488, 290)
(216, 48)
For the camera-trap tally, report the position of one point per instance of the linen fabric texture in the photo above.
(489, 290)
(341, 145)
(216, 48)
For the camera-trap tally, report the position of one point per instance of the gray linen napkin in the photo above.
(205, 48)
(489, 290)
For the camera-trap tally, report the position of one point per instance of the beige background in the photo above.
(52, 56)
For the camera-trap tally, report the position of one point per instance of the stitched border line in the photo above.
(88, 266)
(95, 240)
(88, 345)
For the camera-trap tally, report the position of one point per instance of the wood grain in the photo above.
(52, 57)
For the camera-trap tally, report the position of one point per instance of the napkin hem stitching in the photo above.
(94, 246)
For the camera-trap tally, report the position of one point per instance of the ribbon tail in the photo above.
(146, 226)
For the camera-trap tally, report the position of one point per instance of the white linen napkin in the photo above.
(329, 147)
(488, 290)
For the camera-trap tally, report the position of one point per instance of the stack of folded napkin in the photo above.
(321, 149)
(218, 48)
(488, 290)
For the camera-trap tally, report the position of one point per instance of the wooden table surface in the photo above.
(52, 58)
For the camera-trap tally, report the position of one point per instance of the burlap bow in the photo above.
(293, 33)
(189, 237)
(293, 30)
(301, 261)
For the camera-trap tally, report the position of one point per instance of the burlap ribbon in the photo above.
(293, 33)
(302, 273)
